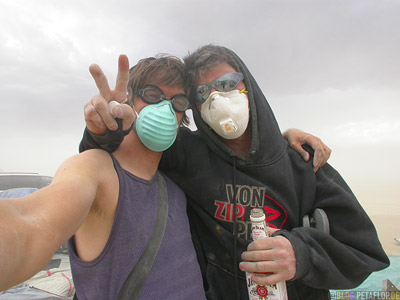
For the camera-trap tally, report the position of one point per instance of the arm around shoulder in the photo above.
(297, 139)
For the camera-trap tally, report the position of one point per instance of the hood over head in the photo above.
(267, 143)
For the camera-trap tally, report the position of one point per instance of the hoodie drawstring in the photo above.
(235, 236)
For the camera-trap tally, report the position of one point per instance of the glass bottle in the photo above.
(256, 291)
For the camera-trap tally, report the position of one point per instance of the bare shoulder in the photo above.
(92, 163)
(93, 156)
(92, 170)
(95, 167)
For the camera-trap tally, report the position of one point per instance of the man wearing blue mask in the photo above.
(106, 204)
(238, 160)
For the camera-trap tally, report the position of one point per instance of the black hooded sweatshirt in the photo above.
(274, 177)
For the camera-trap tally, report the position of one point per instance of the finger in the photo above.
(328, 151)
(286, 268)
(261, 267)
(269, 279)
(127, 115)
(298, 148)
(270, 244)
(271, 230)
(260, 244)
(266, 253)
(101, 106)
(316, 161)
(296, 139)
(323, 157)
(259, 276)
(319, 156)
(101, 81)
(113, 107)
(122, 78)
(318, 146)
(94, 123)
(276, 273)
(326, 154)
(256, 256)
(123, 112)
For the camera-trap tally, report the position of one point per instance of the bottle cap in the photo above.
(257, 214)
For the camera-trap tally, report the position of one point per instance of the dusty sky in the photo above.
(329, 67)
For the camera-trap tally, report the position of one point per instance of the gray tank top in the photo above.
(175, 274)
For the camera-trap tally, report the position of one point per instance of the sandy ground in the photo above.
(388, 227)
(385, 213)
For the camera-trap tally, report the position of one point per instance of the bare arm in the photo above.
(33, 227)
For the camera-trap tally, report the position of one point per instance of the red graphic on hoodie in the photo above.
(248, 197)
(275, 214)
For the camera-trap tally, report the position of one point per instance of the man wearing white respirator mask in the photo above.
(227, 113)
(258, 169)
(224, 105)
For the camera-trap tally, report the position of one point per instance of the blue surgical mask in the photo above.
(157, 126)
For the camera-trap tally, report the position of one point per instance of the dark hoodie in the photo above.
(276, 178)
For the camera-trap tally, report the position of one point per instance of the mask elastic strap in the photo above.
(244, 91)
(134, 109)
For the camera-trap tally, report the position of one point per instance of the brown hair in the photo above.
(203, 59)
(206, 57)
(160, 70)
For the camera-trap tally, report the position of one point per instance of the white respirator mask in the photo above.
(227, 113)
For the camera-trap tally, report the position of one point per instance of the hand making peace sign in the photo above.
(98, 116)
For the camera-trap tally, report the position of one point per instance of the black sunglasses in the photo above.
(225, 83)
(153, 95)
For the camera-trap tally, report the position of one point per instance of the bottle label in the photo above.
(258, 232)
(265, 292)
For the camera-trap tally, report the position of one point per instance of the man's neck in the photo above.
(242, 144)
(135, 158)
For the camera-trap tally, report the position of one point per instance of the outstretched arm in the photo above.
(298, 138)
(34, 226)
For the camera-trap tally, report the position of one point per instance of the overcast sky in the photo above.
(329, 67)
